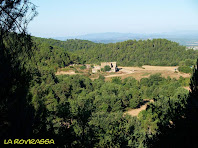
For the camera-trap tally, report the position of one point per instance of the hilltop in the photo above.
(185, 38)
(156, 52)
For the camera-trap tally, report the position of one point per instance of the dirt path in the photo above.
(116, 75)
(187, 87)
(135, 112)
(66, 73)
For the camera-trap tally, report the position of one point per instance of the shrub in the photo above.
(83, 67)
(116, 80)
(139, 64)
(76, 71)
(107, 68)
(101, 77)
(65, 69)
(185, 69)
(135, 102)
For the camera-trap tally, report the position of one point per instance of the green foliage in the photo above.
(185, 69)
(187, 62)
(116, 80)
(49, 58)
(76, 111)
(184, 81)
(136, 99)
(113, 130)
(155, 120)
(107, 68)
(83, 67)
(15, 74)
(194, 82)
(90, 113)
(128, 53)
(101, 77)
(186, 66)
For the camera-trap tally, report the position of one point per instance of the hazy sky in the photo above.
(61, 18)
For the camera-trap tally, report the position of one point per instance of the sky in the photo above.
(62, 18)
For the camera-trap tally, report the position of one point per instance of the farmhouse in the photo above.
(112, 65)
(96, 69)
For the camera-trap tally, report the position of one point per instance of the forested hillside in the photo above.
(128, 53)
(78, 112)
(85, 113)
(75, 111)
(50, 57)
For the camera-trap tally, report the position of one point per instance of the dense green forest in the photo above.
(90, 113)
(128, 53)
(50, 58)
(78, 112)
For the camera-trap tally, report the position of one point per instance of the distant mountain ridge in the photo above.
(186, 38)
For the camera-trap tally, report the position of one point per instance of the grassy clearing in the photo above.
(146, 74)
(125, 72)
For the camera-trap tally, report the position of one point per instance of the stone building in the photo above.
(96, 69)
(112, 65)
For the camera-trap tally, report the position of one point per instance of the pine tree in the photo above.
(15, 46)
(194, 82)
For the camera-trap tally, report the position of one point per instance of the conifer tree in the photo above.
(194, 82)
